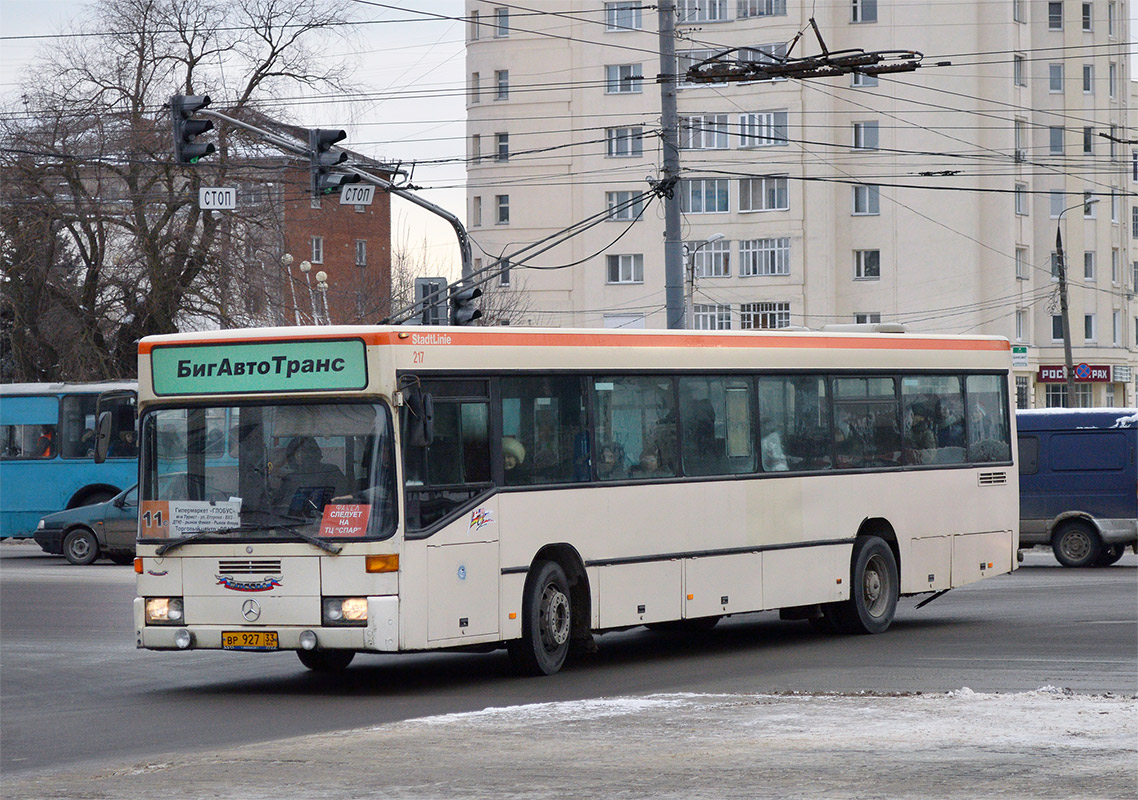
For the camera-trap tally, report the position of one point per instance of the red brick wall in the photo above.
(355, 294)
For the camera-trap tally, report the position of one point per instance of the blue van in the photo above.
(1078, 483)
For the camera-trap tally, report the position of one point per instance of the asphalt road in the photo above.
(74, 691)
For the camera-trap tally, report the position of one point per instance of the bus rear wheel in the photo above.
(874, 589)
(1076, 544)
(80, 547)
(547, 621)
(326, 660)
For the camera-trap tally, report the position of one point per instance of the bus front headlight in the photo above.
(164, 611)
(345, 611)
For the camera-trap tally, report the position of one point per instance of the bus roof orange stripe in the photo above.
(449, 337)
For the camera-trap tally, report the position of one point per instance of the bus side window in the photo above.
(794, 414)
(635, 420)
(716, 416)
(546, 417)
(77, 433)
(989, 431)
(866, 423)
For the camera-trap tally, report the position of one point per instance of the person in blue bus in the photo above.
(45, 447)
(124, 446)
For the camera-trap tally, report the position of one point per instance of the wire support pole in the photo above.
(669, 123)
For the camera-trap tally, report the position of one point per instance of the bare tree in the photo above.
(91, 149)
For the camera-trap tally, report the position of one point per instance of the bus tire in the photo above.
(80, 547)
(547, 622)
(326, 660)
(1076, 544)
(1110, 555)
(874, 589)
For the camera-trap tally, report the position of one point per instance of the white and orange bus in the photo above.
(409, 489)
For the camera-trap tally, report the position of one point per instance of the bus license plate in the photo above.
(249, 640)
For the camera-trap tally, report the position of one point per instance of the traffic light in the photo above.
(324, 181)
(462, 310)
(186, 129)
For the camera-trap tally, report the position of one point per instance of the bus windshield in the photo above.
(263, 471)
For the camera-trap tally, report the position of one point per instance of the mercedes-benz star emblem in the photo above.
(251, 610)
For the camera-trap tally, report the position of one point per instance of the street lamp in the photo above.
(689, 256)
(322, 288)
(306, 267)
(286, 261)
(1060, 263)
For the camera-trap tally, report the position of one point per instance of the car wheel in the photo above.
(80, 547)
(1076, 544)
(326, 660)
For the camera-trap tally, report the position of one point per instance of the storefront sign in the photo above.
(1084, 373)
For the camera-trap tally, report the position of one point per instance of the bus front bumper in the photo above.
(380, 634)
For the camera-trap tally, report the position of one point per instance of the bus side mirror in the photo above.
(420, 407)
(104, 429)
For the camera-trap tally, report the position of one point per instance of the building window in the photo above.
(623, 79)
(1089, 265)
(625, 269)
(502, 146)
(867, 318)
(686, 59)
(865, 136)
(761, 8)
(867, 265)
(863, 10)
(701, 10)
(706, 132)
(1021, 199)
(1115, 205)
(1134, 276)
(623, 16)
(504, 272)
(1088, 206)
(502, 216)
(475, 212)
(1023, 389)
(1055, 16)
(1115, 267)
(1134, 222)
(1021, 324)
(1020, 127)
(624, 206)
(502, 84)
(1056, 327)
(1057, 199)
(711, 317)
(1090, 328)
(704, 196)
(773, 53)
(1088, 78)
(711, 260)
(764, 316)
(475, 24)
(475, 91)
(1055, 140)
(501, 22)
(1116, 328)
(361, 252)
(624, 142)
(763, 257)
(1088, 17)
(1088, 140)
(1112, 73)
(1022, 264)
(768, 193)
(317, 249)
(475, 148)
(866, 200)
(1019, 70)
(1111, 12)
(763, 129)
(1055, 78)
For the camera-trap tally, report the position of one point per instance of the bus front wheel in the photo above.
(1076, 544)
(874, 589)
(547, 621)
(326, 660)
(80, 547)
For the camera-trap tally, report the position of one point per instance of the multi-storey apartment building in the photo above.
(930, 198)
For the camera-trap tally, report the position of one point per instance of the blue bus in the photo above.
(1078, 483)
(47, 446)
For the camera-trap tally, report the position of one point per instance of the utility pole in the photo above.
(669, 121)
(1061, 265)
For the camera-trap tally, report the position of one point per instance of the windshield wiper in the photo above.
(334, 549)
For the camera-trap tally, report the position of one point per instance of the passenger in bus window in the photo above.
(308, 482)
(45, 447)
(649, 465)
(949, 423)
(610, 463)
(124, 446)
(513, 460)
(774, 457)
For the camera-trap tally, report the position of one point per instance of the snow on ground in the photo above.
(1049, 743)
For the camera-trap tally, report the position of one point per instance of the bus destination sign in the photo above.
(240, 368)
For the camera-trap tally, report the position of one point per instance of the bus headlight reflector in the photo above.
(345, 610)
(307, 640)
(183, 639)
(164, 611)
